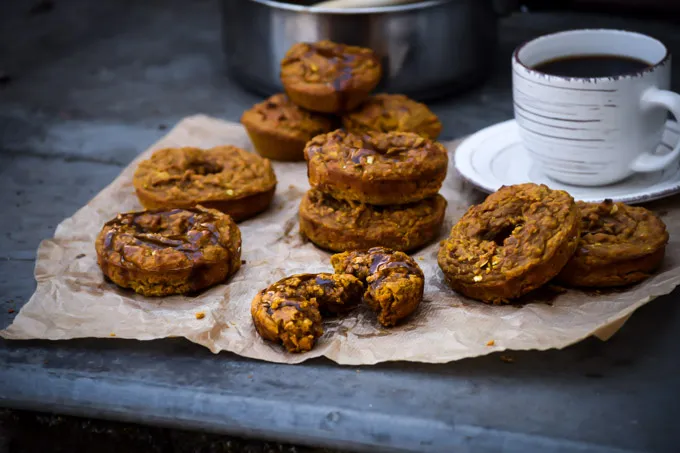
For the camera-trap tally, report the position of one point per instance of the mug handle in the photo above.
(655, 97)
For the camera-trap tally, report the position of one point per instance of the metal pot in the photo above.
(428, 49)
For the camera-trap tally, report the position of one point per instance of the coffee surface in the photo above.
(587, 66)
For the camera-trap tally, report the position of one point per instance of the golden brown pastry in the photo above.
(280, 129)
(619, 245)
(376, 168)
(515, 241)
(341, 225)
(328, 77)
(290, 310)
(158, 253)
(225, 178)
(394, 281)
(393, 113)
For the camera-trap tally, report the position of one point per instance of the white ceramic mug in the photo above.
(594, 131)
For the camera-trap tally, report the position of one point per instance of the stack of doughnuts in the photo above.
(373, 189)
(328, 85)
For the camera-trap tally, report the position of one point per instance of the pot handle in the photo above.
(505, 7)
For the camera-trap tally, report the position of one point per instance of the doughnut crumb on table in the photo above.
(329, 77)
(159, 253)
(394, 281)
(393, 113)
(279, 129)
(619, 245)
(339, 225)
(515, 241)
(376, 168)
(226, 178)
(290, 311)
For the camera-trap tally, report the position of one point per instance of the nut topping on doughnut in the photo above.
(290, 310)
(515, 241)
(376, 168)
(157, 253)
(226, 178)
(394, 281)
(619, 245)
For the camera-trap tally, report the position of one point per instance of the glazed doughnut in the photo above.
(342, 225)
(393, 113)
(328, 77)
(394, 281)
(290, 310)
(619, 245)
(376, 168)
(518, 239)
(225, 178)
(280, 129)
(158, 253)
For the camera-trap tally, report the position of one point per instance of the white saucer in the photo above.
(494, 157)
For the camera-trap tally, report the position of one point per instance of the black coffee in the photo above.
(591, 66)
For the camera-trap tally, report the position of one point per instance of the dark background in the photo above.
(57, 34)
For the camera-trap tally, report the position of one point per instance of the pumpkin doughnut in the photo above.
(280, 129)
(328, 77)
(393, 113)
(290, 310)
(158, 253)
(342, 225)
(376, 168)
(225, 178)
(394, 281)
(619, 245)
(515, 241)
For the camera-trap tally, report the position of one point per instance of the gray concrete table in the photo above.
(85, 86)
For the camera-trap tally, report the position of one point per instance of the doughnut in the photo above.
(291, 310)
(619, 245)
(393, 113)
(394, 281)
(225, 178)
(280, 129)
(376, 168)
(328, 77)
(518, 239)
(338, 225)
(158, 253)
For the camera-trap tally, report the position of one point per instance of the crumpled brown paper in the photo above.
(72, 300)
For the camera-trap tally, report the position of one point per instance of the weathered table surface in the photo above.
(85, 86)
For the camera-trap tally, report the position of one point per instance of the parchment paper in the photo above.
(72, 300)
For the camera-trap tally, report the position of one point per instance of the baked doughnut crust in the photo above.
(376, 168)
(328, 77)
(290, 310)
(619, 245)
(340, 225)
(394, 281)
(518, 239)
(280, 129)
(158, 253)
(225, 178)
(393, 113)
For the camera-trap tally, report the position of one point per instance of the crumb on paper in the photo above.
(491, 343)
(80, 255)
(243, 261)
(507, 359)
(112, 334)
(290, 186)
(421, 258)
(200, 315)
